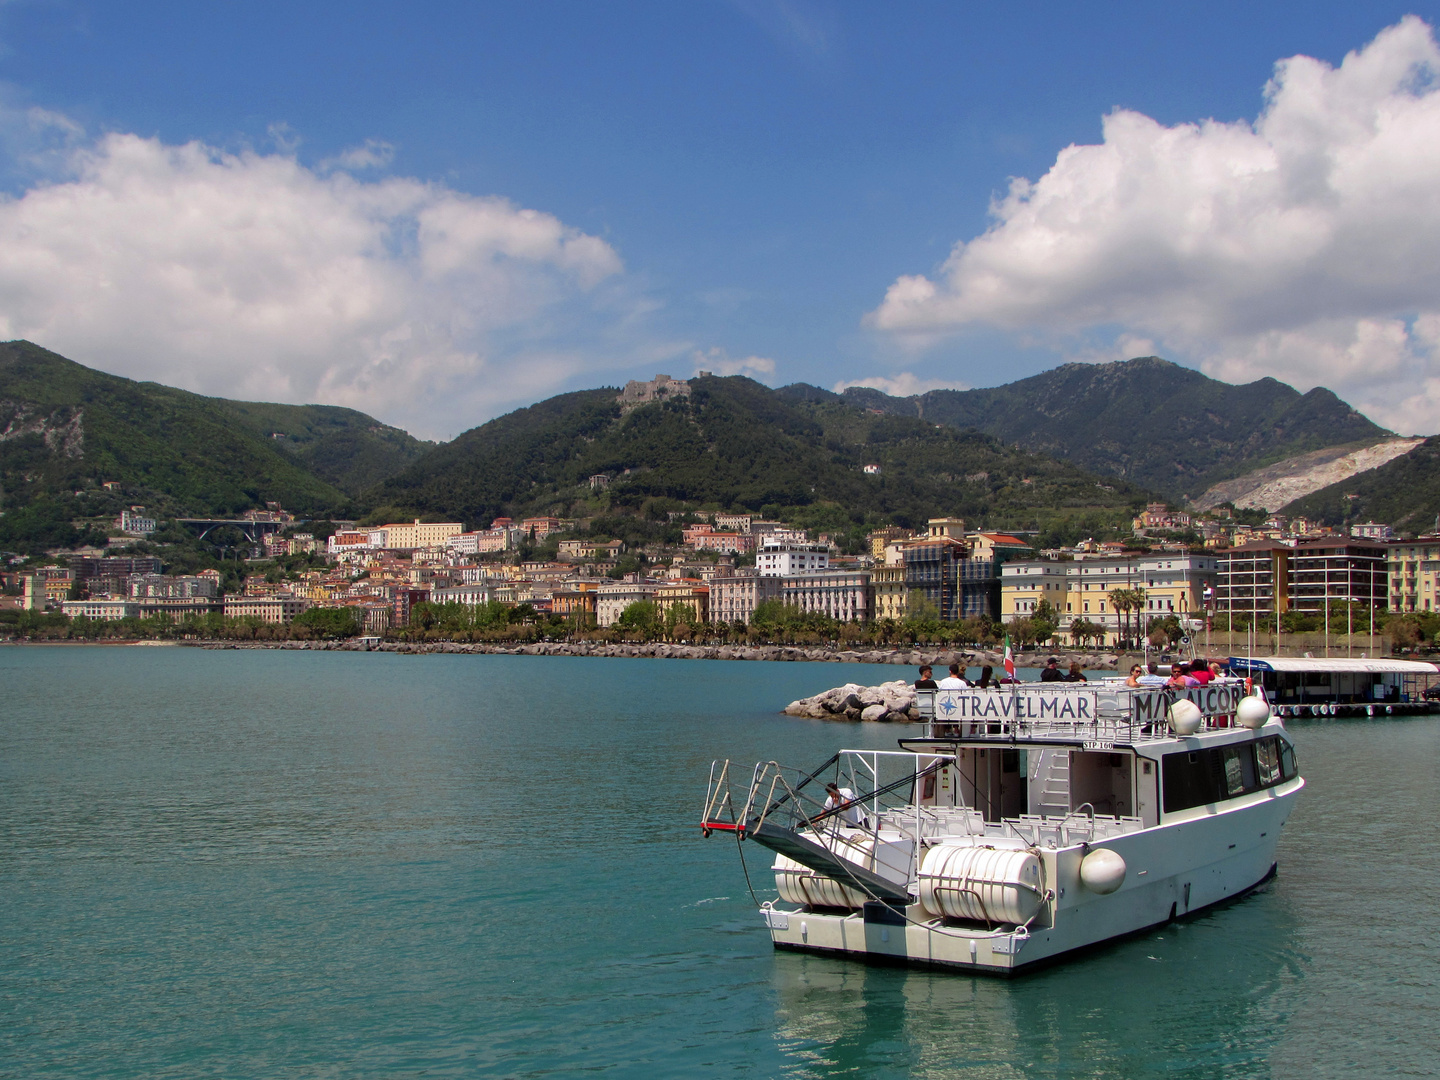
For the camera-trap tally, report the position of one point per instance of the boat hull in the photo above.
(1212, 856)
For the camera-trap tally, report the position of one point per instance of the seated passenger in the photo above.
(987, 678)
(1075, 674)
(1152, 677)
(927, 678)
(1180, 677)
(1201, 673)
(1135, 672)
(1052, 671)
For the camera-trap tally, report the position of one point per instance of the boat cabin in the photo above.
(1339, 685)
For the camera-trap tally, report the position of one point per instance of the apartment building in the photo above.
(415, 535)
(689, 594)
(1413, 571)
(781, 558)
(734, 598)
(612, 599)
(887, 584)
(843, 595)
(270, 609)
(1269, 577)
(1025, 585)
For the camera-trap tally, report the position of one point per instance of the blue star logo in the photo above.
(947, 706)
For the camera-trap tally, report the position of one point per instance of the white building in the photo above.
(843, 595)
(109, 610)
(475, 595)
(1373, 530)
(611, 600)
(782, 558)
(133, 524)
(733, 598)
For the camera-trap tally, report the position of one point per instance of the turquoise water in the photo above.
(286, 864)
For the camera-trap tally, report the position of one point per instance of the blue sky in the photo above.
(513, 200)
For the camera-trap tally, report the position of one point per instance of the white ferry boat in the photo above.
(1341, 686)
(1023, 824)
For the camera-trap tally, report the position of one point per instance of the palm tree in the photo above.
(1120, 601)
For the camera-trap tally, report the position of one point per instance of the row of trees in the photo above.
(646, 621)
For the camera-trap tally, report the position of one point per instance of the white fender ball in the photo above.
(1252, 712)
(1185, 717)
(1102, 871)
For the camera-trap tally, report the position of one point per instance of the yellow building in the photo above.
(419, 534)
(890, 596)
(881, 537)
(1414, 572)
(687, 593)
(1023, 585)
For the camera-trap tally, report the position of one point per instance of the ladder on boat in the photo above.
(1054, 800)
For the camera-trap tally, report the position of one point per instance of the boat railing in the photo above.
(1102, 713)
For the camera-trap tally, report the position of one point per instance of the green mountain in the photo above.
(737, 444)
(1404, 493)
(66, 428)
(343, 447)
(1154, 423)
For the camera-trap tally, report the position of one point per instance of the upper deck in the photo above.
(1096, 715)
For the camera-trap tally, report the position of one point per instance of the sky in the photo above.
(436, 213)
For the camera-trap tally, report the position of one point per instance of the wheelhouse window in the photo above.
(1200, 777)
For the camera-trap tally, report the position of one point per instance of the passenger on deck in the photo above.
(927, 678)
(953, 681)
(1152, 677)
(837, 797)
(1136, 671)
(987, 677)
(1052, 672)
(1075, 674)
(1201, 672)
(1180, 677)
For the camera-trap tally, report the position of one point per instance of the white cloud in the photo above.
(718, 362)
(371, 154)
(250, 275)
(1305, 245)
(906, 384)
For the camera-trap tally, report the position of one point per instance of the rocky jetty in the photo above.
(891, 702)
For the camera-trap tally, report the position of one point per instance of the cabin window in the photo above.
(1199, 777)
(1288, 770)
(1267, 761)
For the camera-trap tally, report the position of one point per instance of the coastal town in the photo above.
(734, 573)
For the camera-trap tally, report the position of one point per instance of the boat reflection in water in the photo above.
(1207, 996)
(1023, 824)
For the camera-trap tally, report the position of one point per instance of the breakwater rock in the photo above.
(891, 702)
(911, 656)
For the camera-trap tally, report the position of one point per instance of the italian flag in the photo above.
(1009, 659)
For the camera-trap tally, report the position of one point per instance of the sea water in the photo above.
(295, 864)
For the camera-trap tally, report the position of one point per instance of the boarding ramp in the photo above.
(783, 809)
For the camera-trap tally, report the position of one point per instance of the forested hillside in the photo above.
(736, 444)
(1154, 423)
(65, 430)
